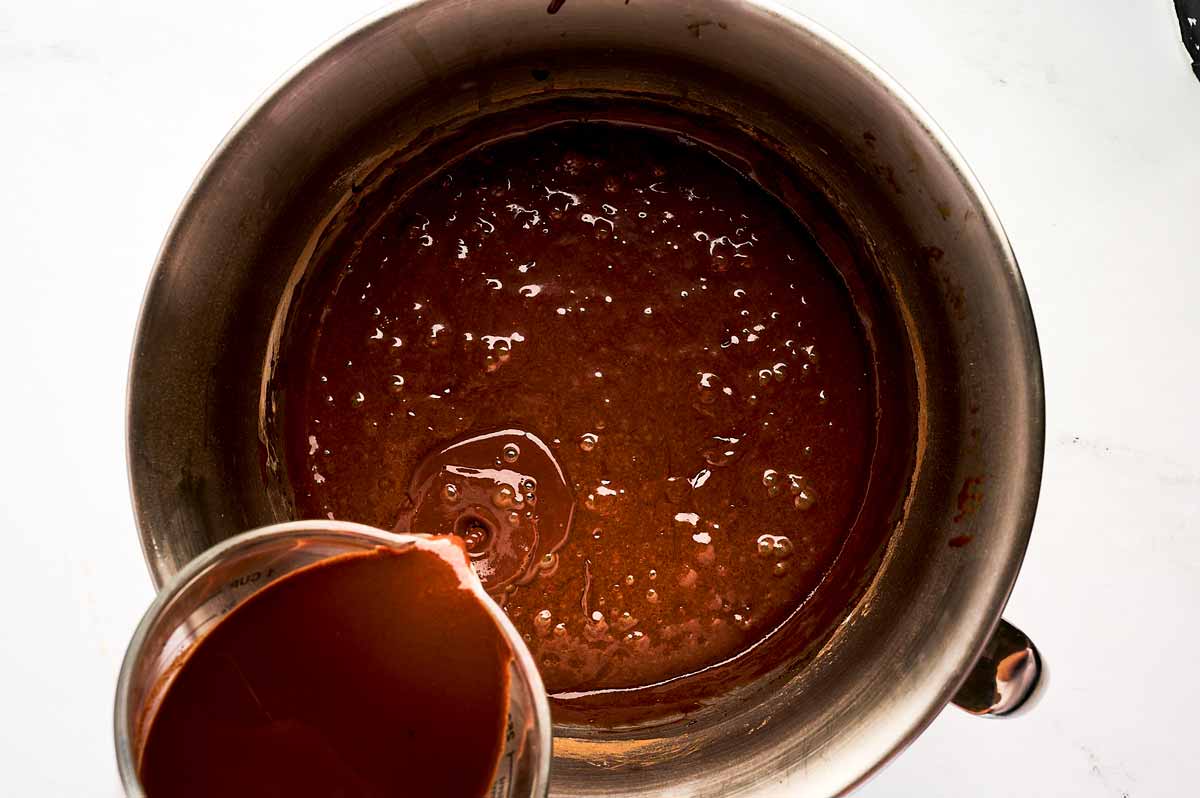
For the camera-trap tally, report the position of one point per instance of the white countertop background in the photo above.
(1081, 119)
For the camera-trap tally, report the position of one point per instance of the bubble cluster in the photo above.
(803, 497)
(778, 547)
(475, 534)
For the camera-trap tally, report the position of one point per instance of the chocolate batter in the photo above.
(624, 372)
(340, 679)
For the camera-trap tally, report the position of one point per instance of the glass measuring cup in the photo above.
(215, 582)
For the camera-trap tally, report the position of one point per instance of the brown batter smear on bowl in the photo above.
(622, 371)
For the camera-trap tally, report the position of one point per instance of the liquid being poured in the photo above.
(504, 494)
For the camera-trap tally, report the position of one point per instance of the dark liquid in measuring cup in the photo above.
(369, 674)
(628, 375)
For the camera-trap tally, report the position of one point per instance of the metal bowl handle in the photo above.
(1008, 678)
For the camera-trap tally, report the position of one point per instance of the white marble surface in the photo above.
(1085, 129)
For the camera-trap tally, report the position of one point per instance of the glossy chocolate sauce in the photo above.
(369, 674)
(625, 373)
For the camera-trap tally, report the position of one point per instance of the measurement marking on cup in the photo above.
(248, 579)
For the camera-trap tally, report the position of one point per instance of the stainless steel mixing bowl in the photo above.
(928, 629)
